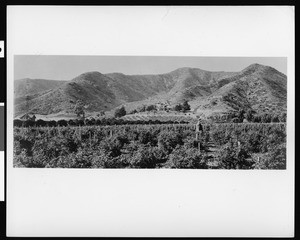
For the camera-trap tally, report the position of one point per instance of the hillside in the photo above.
(260, 88)
(29, 86)
(256, 87)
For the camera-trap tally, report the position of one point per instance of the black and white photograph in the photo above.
(173, 114)
(150, 121)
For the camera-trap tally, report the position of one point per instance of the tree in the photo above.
(151, 108)
(275, 118)
(233, 157)
(91, 121)
(282, 117)
(257, 119)
(52, 123)
(266, 118)
(235, 120)
(274, 159)
(186, 106)
(249, 115)
(40, 123)
(79, 110)
(184, 157)
(62, 122)
(240, 115)
(178, 108)
(18, 123)
(120, 112)
(71, 122)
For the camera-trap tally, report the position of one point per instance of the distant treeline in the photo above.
(88, 122)
(250, 116)
(238, 117)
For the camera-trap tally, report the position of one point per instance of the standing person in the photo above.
(199, 129)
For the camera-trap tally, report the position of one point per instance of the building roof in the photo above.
(27, 115)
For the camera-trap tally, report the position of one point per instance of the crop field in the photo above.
(221, 146)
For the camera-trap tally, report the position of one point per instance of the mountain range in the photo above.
(257, 87)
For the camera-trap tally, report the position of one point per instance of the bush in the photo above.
(121, 161)
(35, 161)
(146, 136)
(150, 146)
(142, 158)
(147, 156)
(274, 159)
(231, 157)
(168, 140)
(183, 157)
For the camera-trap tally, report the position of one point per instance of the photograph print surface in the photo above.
(150, 112)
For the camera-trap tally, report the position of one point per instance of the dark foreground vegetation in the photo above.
(223, 146)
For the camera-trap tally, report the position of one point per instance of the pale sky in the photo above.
(68, 67)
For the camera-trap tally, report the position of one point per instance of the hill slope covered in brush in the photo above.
(256, 87)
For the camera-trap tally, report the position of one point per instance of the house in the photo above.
(163, 106)
(28, 116)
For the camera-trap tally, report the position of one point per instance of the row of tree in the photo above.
(238, 146)
(251, 116)
(87, 122)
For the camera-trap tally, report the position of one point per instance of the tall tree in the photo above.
(79, 110)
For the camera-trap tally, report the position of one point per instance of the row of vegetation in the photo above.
(251, 116)
(88, 122)
(240, 146)
(235, 117)
(262, 118)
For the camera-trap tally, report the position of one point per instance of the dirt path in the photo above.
(212, 154)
